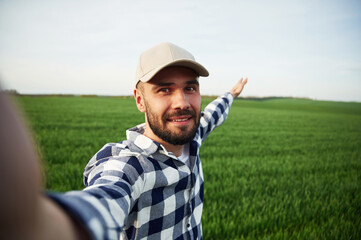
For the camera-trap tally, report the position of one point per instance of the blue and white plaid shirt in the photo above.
(135, 189)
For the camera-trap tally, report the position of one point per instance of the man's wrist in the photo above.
(232, 94)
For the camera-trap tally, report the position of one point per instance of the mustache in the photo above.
(180, 113)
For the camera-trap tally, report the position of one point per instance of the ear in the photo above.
(139, 100)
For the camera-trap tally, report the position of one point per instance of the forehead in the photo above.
(174, 75)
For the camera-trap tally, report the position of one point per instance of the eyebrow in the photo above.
(194, 81)
(165, 84)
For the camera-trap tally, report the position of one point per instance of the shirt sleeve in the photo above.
(214, 114)
(104, 205)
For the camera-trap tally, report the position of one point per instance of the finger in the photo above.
(241, 83)
(245, 81)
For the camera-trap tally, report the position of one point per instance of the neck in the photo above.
(175, 149)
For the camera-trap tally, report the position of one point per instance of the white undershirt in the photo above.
(185, 154)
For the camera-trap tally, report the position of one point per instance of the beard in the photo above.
(160, 130)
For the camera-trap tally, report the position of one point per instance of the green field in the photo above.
(277, 169)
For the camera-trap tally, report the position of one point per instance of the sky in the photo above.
(286, 48)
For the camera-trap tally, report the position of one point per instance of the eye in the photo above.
(165, 90)
(191, 89)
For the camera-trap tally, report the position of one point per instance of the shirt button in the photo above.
(188, 225)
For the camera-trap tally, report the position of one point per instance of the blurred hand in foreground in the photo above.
(26, 213)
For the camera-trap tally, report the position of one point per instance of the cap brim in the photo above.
(198, 68)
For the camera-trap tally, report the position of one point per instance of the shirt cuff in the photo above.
(76, 209)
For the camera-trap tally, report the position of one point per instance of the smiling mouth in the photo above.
(180, 117)
(180, 120)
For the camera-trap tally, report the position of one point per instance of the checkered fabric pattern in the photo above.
(135, 189)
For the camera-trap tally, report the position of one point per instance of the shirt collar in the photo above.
(148, 146)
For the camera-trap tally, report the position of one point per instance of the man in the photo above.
(149, 186)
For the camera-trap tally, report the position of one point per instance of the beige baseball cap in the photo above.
(164, 55)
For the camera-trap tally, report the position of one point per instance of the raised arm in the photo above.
(217, 111)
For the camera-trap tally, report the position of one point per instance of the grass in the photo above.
(70, 130)
(277, 169)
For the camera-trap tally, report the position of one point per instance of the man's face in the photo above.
(172, 105)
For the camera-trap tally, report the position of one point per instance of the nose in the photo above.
(180, 100)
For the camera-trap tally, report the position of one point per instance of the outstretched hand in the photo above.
(25, 212)
(237, 89)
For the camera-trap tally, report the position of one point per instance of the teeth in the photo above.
(180, 120)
